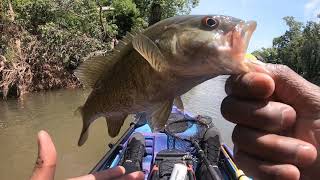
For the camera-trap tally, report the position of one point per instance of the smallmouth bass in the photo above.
(149, 71)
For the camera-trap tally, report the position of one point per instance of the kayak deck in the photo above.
(156, 142)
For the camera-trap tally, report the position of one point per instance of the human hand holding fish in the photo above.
(47, 160)
(278, 124)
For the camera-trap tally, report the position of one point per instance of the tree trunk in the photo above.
(155, 13)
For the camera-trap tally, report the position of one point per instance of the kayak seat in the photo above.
(165, 161)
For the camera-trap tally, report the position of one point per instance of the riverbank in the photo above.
(32, 63)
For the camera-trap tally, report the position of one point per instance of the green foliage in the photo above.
(298, 48)
(66, 46)
(173, 8)
(268, 54)
(126, 16)
(82, 16)
(310, 52)
(170, 7)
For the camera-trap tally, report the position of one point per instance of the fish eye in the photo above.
(210, 22)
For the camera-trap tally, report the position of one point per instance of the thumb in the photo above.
(47, 158)
(294, 90)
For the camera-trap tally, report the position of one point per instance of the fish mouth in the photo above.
(241, 36)
(247, 29)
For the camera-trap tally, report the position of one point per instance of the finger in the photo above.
(262, 170)
(133, 176)
(292, 89)
(274, 147)
(269, 116)
(112, 173)
(250, 85)
(47, 158)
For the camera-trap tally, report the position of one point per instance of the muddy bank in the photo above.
(30, 63)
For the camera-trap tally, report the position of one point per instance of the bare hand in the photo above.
(47, 159)
(278, 124)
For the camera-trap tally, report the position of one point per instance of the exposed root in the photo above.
(15, 78)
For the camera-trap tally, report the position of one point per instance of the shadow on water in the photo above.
(54, 111)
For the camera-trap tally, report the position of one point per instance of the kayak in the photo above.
(159, 142)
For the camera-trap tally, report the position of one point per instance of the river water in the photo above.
(20, 120)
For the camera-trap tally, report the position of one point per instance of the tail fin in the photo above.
(85, 127)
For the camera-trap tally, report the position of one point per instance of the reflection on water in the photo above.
(54, 111)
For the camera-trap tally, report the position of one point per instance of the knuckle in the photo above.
(283, 68)
(280, 69)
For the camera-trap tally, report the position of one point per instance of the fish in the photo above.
(148, 71)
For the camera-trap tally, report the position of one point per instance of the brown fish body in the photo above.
(133, 86)
(153, 69)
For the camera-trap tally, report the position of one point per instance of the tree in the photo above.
(298, 48)
(155, 13)
(169, 7)
(310, 52)
(268, 54)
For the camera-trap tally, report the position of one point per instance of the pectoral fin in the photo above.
(178, 103)
(114, 124)
(159, 116)
(150, 51)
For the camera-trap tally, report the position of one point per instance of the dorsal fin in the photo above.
(93, 67)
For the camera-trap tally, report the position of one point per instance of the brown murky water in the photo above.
(54, 111)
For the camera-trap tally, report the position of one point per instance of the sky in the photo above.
(267, 13)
